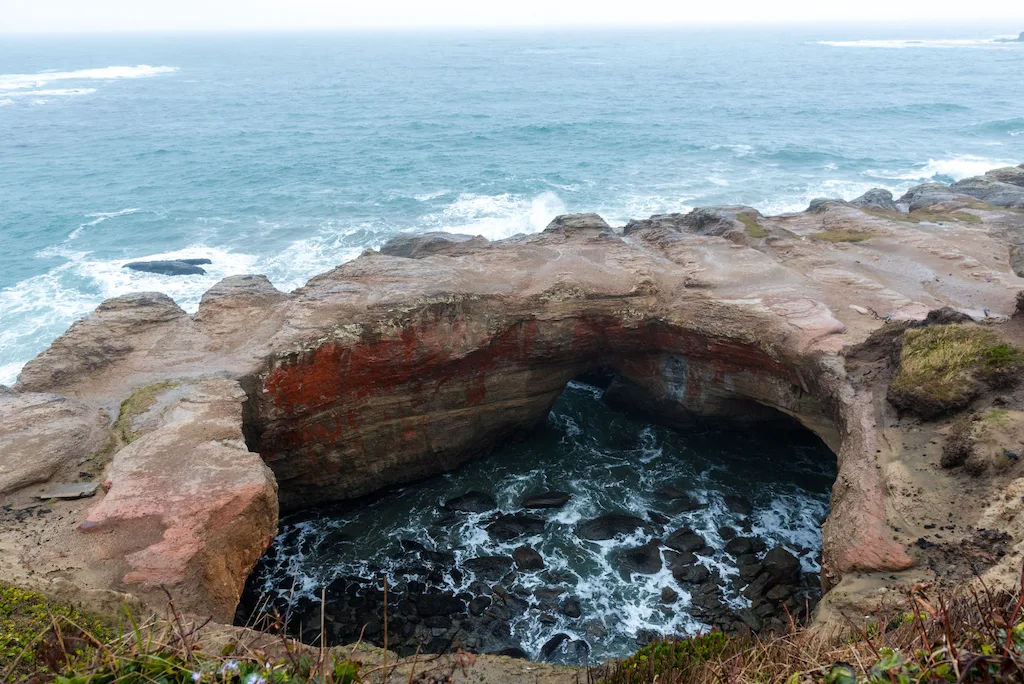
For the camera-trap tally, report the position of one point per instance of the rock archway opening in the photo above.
(627, 509)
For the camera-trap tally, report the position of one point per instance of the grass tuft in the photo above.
(749, 221)
(945, 367)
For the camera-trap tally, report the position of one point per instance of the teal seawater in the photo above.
(289, 154)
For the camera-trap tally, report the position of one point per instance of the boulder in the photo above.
(173, 267)
(471, 502)
(876, 198)
(527, 558)
(685, 540)
(490, 568)
(1014, 175)
(547, 500)
(738, 504)
(571, 608)
(508, 527)
(642, 560)
(990, 190)
(578, 224)
(691, 574)
(744, 545)
(782, 565)
(438, 604)
(610, 526)
(928, 195)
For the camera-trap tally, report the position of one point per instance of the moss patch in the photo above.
(843, 236)
(140, 401)
(945, 367)
(925, 215)
(749, 221)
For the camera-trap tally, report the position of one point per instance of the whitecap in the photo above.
(902, 44)
(99, 217)
(10, 82)
(497, 216)
(956, 168)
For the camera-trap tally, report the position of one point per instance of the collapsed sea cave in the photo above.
(606, 525)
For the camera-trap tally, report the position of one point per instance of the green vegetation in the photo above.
(945, 367)
(926, 215)
(842, 236)
(749, 220)
(140, 401)
(42, 641)
(969, 635)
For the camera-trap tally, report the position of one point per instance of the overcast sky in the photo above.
(33, 16)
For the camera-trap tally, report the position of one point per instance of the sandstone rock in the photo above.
(991, 190)
(173, 268)
(417, 246)
(1014, 175)
(577, 224)
(44, 435)
(547, 500)
(927, 195)
(196, 523)
(249, 295)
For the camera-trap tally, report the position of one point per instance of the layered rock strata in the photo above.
(407, 362)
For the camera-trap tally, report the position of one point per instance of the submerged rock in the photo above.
(508, 527)
(547, 500)
(173, 268)
(610, 526)
(471, 502)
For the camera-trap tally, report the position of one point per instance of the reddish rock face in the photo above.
(347, 418)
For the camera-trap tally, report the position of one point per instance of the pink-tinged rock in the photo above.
(190, 507)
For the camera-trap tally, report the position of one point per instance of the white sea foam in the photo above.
(497, 216)
(958, 167)
(97, 218)
(53, 92)
(902, 44)
(10, 82)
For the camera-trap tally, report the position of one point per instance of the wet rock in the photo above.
(479, 605)
(669, 595)
(726, 533)
(738, 504)
(491, 568)
(438, 604)
(691, 574)
(685, 540)
(744, 545)
(749, 572)
(547, 651)
(610, 526)
(527, 558)
(779, 593)
(559, 577)
(508, 527)
(657, 518)
(759, 586)
(782, 565)
(594, 629)
(647, 636)
(988, 189)
(749, 618)
(417, 246)
(547, 500)
(571, 608)
(642, 560)
(675, 559)
(513, 652)
(172, 267)
(471, 502)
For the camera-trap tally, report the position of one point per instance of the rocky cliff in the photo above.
(407, 362)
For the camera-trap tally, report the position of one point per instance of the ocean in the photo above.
(289, 154)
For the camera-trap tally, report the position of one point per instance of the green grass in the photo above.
(842, 236)
(140, 401)
(944, 367)
(749, 221)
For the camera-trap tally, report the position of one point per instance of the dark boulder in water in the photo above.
(738, 504)
(782, 565)
(610, 526)
(172, 267)
(527, 558)
(552, 645)
(508, 527)
(571, 608)
(691, 574)
(491, 568)
(547, 500)
(676, 559)
(642, 560)
(471, 502)
(743, 545)
(438, 604)
(685, 540)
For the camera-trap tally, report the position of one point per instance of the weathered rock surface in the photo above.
(189, 507)
(43, 435)
(392, 368)
(876, 199)
(424, 244)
